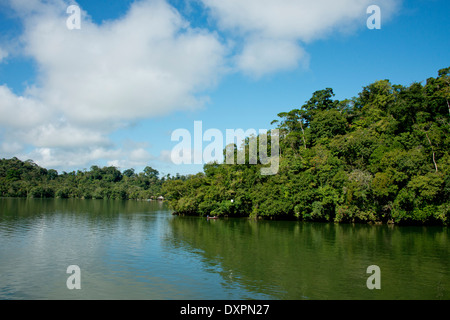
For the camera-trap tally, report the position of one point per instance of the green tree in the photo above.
(150, 172)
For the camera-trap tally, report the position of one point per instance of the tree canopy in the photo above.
(382, 156)
(26, 179)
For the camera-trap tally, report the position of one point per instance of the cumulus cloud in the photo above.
(64, 136)
(91, 81)
(80, 157)
(262, 56)
(71, 158)
(282, 27)
(21, 112)
(149, 62)
(138, 157)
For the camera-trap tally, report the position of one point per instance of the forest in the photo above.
(28, 180)
(380, 157)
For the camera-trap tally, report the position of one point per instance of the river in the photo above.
(139, 250)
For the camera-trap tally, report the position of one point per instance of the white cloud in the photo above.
(82, 157)
(10, 147)
(262, 56)
(68, 158)
(135, 158)
(166, 156)
(20, 112)
(64, 136)
(283, 25)
(91, 81)
(148, 63)
(140, 155)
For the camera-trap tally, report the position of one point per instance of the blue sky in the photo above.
(113, 91)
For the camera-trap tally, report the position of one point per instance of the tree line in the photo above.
(27, 179)
(380, 157)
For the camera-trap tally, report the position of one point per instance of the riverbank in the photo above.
(293, 218)
(380, 157)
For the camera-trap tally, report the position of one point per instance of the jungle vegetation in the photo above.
(27, 179)
(380, 157)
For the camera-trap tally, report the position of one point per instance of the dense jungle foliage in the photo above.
(26, 179)
(382, 156)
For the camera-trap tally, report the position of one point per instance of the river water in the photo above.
(138, 250)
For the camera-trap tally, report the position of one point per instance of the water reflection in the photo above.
(138, 250)
(295, 260)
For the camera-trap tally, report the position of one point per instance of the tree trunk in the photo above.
(303, 131)
(434, 160)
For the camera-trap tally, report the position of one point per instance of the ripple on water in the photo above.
(136, 254)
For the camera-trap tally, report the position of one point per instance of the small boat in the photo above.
(208, 217)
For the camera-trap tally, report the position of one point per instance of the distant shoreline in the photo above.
(258, 218)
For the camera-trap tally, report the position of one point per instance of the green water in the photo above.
(138, 250)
